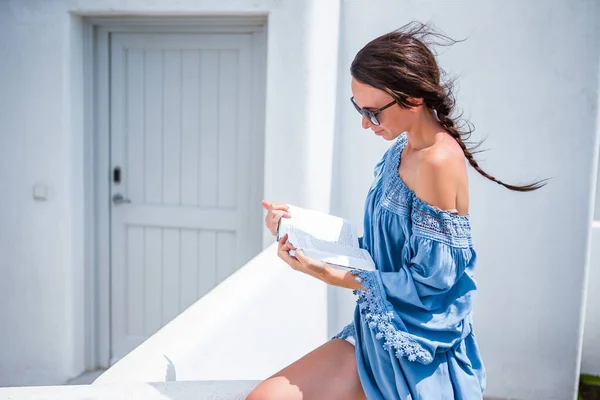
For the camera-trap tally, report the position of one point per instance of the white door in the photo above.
(180, 153)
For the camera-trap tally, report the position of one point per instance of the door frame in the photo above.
(96, 53)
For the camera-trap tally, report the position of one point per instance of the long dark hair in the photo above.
(401, 64)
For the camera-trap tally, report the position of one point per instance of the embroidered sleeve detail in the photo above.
(370, 302)
(453, 230)
(396, 197)
(346, 332)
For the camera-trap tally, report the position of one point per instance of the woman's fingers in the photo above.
(285, 245)
(266, 205)
(280, 206)
(282, 252)
(274, 206)
(288, 247)
(282, 212)
(276, 211)
(301, 257)
(277, 215)
(281, 244)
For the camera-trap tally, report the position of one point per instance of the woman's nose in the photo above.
(366, 122)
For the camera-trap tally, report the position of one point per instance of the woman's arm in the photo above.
(345, 279)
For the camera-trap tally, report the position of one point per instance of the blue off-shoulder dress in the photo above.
(412, 327)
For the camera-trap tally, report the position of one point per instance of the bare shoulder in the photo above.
(445, 155)
(442, 172)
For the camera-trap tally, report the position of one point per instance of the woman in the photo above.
(412, 334)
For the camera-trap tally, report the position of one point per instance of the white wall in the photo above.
(42, 289)
(41, 267)
(259, 320)
(590, 361)
(529, 83)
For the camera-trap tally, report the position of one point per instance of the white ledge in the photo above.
(201, 390)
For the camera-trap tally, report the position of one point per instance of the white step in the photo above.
(200, 390)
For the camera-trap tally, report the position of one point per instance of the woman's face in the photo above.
(393, 121)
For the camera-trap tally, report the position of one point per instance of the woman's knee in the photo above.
(276, 388)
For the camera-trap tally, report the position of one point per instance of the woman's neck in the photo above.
(424, 132)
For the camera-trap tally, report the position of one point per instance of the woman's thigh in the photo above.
(328, 372)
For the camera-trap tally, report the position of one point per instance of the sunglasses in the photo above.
(371, 115)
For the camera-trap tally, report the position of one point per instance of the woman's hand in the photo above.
(300, 262)
(275, 211)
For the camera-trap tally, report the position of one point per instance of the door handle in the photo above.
(119, 199)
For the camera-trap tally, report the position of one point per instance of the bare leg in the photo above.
(328, 373)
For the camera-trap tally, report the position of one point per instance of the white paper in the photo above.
(325, 237)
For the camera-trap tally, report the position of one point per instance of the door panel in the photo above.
(179, 110)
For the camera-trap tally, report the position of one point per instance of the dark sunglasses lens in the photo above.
(371, 117)
(367, 113)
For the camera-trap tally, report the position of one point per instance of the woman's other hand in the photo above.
(275, 211)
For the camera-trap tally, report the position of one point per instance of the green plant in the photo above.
(589, 387)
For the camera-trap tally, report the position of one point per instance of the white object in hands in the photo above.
(324, 237)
